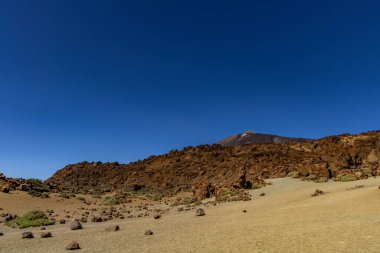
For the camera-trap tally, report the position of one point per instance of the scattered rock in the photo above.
(1, 233)
(24, 187)
(318, 192)
(7, 217)
(356, 187)
(294, 174)
(27, 235)
(42, 228)
(96, 219)
(62, 221)
(148, 232)
(73, 246)
(157, 216)
(322, 180)
(5, 189)
(200, 212)
(74, 225)
(46, 234)
(262, 194)
(244, 211)
(112, 228)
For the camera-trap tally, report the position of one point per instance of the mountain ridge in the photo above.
(250, 137)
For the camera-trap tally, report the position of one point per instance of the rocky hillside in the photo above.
(209, 167)
(251, 137)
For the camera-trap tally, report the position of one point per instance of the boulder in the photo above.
(200, 212)
(5, 189)
(28, 234)
(74, 245)
(148, 232)
(112, 228)
(46, 234)
(75, 225)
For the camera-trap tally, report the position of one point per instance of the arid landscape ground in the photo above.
(307, 196)
(285, 219)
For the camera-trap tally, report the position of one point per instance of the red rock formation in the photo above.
(208, 167)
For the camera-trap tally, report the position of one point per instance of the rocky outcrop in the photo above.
(207, 168)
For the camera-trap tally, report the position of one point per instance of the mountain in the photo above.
(251, 137)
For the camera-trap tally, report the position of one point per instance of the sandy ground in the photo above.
(286, 219)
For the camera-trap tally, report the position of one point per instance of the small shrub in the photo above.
(293, 174)
(81, 199)
(34, 218)
(311, 177)
(66, 195)
(228, 195)
(95, 193)
(348, 177)
(37, 185)
(367, 172)
(109, 201)
(38, 194)
(155, 197)
(255, 186)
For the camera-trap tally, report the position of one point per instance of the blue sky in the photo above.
(121, 80)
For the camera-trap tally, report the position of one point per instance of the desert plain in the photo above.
(286, 218)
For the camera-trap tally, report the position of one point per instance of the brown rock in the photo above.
(112, 228)
(74, 225)
(74, 245)
(148, 232)
(318, 192)
(5, 189)
(96, 219)
(46, 234)
(27, 235)
(200, 212)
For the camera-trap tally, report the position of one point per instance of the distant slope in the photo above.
(251, 137)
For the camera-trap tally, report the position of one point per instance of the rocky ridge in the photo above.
(207, 169)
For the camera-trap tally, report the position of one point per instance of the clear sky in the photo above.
(122, 80)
